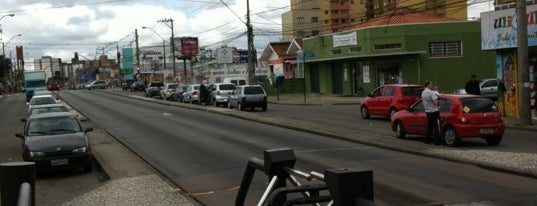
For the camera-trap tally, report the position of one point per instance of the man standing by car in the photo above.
(472, 86)
(430, 103)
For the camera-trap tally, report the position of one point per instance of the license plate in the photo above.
(59, 162)
(486, 131)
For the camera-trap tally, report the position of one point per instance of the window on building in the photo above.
(301, 33)
(355, 49)
(314, 32)
(336, 51)
(300, 20)
(445, 49)
(325, 11)
(387, 46)
(314, 19)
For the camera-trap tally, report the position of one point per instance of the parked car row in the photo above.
(461, 115)
(217, 94)
(53, 137)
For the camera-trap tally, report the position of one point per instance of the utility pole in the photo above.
(523, 84)
(172, 45)
(251, 56)
(137, 56)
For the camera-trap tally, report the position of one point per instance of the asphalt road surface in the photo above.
(205, 154)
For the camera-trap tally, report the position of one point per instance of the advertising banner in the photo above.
(348, 39)
(499, 28)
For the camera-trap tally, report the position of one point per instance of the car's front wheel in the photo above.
(392, 112)
(450, 137)
(365, 113)
(400, 130)
(493, 140)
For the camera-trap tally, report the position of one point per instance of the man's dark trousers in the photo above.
(433, 119)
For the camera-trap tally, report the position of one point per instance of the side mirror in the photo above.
(408, 109)
(369, 95)
(19, 135)
(89, 129)
(23, 120)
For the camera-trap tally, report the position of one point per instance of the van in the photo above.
(235, 80)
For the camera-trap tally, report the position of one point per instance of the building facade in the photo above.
(357, 61)
(499, 35)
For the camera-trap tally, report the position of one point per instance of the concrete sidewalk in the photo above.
(330, 99)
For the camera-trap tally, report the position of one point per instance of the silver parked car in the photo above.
(248, 96)
(192, 94)
(487, 87)
(219, 93)
(177, 94)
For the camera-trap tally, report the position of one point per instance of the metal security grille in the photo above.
(445, 49)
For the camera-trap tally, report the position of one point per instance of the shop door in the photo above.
(314, 77)
(389, 72)
(337, 79)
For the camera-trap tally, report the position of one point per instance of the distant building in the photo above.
(309, 18)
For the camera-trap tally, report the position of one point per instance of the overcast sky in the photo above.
(58, 28)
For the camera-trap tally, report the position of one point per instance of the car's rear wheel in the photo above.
(450, 137)
(190, 100)
(365, 113)
(495, 140)
(174, 98)
(400, 130)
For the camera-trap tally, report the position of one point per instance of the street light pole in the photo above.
(4, 56)
(163, 44)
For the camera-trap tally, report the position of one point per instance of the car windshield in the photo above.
(478, 105)
(412, 91)
(253, 90)
(156, 84)
(48, 110)
(53, 125)
(227, 87)
(43, 100)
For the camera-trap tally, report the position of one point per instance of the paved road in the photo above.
(205, 154)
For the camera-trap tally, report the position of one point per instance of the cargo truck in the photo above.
(34, 80)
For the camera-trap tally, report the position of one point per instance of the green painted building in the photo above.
(357, 61)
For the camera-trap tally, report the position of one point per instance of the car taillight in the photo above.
(194, 93)
(217, 92)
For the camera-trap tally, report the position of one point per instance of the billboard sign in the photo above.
(189, 46)
(224, 55)
(499, 28)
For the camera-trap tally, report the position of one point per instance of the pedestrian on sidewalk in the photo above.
(430, 103)
(472, 86)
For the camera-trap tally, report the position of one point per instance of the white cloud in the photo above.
(58, 28)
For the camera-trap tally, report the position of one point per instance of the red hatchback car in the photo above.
(390, 98)
(461, 116)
